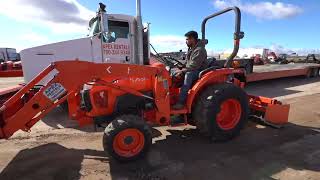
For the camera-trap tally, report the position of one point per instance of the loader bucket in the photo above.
(269, 110)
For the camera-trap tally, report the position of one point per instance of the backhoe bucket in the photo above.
(269, 110)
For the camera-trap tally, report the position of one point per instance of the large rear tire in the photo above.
(127, 138)
(221, 111)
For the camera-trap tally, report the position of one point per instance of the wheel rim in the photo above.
(128, 142)
(230, 114)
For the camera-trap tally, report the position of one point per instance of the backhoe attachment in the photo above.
(271, 111)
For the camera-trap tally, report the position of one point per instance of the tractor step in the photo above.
(179, 111)
(179, 117)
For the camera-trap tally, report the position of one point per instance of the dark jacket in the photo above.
(197, 58)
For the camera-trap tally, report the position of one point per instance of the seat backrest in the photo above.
(212, 68)
(212, 61)
(212, 65)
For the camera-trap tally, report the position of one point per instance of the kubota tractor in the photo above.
(133, 97)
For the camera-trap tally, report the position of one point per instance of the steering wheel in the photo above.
(175, 63)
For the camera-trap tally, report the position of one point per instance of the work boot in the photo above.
(178, 106)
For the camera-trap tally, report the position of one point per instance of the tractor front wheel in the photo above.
(127, 138)
(221, 111)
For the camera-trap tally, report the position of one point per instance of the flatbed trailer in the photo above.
(7, 93)
(256, 73)
(253, 74)
(275, 71)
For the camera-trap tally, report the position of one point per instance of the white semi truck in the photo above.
(123, 39)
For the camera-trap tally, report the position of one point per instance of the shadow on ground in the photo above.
(259, 153)
(58, 118)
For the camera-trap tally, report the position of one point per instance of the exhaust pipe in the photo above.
(139, 44)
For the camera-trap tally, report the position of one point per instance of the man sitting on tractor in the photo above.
(196, 62)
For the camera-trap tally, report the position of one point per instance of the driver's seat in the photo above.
(213, 65)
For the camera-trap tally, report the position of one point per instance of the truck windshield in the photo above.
(117, 29)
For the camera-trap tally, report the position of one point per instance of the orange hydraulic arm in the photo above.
(27, 107)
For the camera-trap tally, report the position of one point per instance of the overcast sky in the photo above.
(280, 25)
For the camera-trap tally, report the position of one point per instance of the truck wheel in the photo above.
(221, 111)
(127, 138)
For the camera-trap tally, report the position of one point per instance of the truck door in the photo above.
(113, 46)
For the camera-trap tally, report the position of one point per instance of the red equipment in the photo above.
(10, 65)
(11, 69)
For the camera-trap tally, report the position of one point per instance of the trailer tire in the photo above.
(313, 73)
(316, 72)
(221, 111)
(127, 138)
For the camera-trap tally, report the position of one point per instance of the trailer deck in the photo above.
(275, 71)
(9, 86)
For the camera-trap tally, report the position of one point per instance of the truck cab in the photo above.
(115, 40)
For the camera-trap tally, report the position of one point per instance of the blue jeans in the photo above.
(189, 78)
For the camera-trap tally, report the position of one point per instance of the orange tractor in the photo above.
(132, 98)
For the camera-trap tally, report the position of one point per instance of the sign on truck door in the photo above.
(114, 45)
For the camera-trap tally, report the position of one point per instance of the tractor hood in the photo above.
(35, 59)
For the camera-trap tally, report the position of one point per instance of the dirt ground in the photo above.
(8, 82)
(57, 149)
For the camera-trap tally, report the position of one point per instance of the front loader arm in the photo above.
(27, 107)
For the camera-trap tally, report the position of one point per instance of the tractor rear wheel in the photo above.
(127, 138)
(221, 111)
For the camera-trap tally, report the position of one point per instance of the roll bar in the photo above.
(238, 34)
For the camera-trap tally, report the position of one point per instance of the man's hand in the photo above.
(180, 72)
